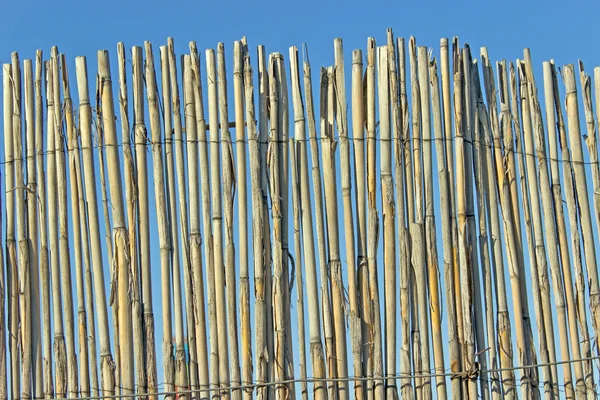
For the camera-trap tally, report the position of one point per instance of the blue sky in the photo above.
(553, 30)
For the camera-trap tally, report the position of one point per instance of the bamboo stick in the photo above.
(107, 365)
(89, 289)
(217, 218)
(4, 384)
(461, 208)
(373, 224)
(493, 138)
(419, 312)
(298, 269)
(574, 215)
(450, 269)
(281, 390)
(527, 218)
(180, 376)
(257, 208)
(240, 136)
(456, 66)
(161, 214)
(404, 183)
(189, 294)
(196, 240)
(48, 388)
(316, 345)
(22, 277)
(389, 238)
(358, 133)
(262, 277)
(283, 123)
(229, 188)
(131, 201)
(59, 338)
(141, 168)
(550, 230)
(109, 242)
(122, 257)
(582, 199)
(74, 172)
(439, 131)
(341, 119)
(488, 265)
(32, 233)
(591, 139)
(395, 135)
(320, 225)
(195, 258)
(565, 257)
(430, 234)
(335, 267)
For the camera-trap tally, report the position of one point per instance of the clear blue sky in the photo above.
(552, 29)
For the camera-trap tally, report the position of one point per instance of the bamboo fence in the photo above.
(394, 244)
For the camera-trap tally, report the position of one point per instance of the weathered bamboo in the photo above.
(3, 328)
(108, 238)
(404, 184)
(550, 231)
(396, 132)
(481, 130)
(283, 123)
(281, 390)
(320, 225)
(503, 174)
(107, 365)
(565, 257)
(32, 232)
(22, 277)
(298, 269)
(131, 202)
(389, 227)
(257, 206)
(439, 131)
(229, 188)
(582, 199)
(196, 270)
(537, 246)
(180, 376)
(141, 168)
(492, 145)
(262, 273)
(241, 176)
(574, 215)
(90, 337)
(373, 224)
(591, 139)
(76, 216)
(11, 245)
(161, 214)
(328, 107)
(189, 294)
(59, 337)
(217, 219)
(121, 238)
(48, 387)
(456, 66)
(341, 119)
(419, 310)
(358, 133)
(430, 234)
(461, 208)
(516, 147)
(316, 344)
